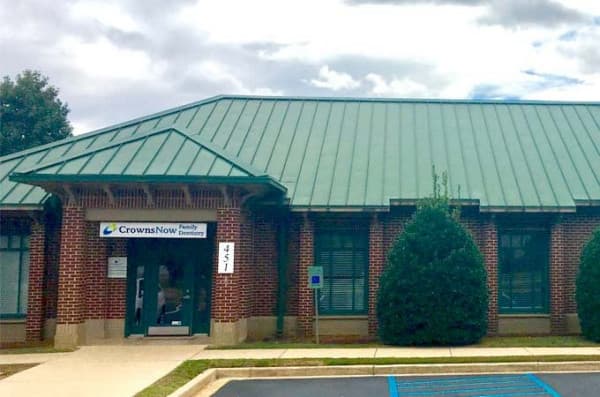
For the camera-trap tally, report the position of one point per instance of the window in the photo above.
(14, 274)
(345, 260)
(523, 271)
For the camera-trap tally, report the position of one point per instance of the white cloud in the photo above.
(219, 73)
(333, 80)
(404, 87)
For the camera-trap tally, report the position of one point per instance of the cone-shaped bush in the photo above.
(433, 290)
(588, 289)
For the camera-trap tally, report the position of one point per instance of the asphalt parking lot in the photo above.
(501, 385)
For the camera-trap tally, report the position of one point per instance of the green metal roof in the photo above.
(163, 155)
(342, 152)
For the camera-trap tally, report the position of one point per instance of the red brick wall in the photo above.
(305, 294)
(71, 272)
(95, 272)
(226, 292)
(376, 264)
(488, 244)
(266, 271)
(51, 271)
(116, 288)
(577, 230)
(35, 302)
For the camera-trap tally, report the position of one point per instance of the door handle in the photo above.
(185, 297)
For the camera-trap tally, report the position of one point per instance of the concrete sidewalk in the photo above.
(416, 352)
(94, 370)
(123, 370)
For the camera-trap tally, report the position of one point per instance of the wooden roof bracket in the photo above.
(226, 195)
(149, 196)
(187, 194)
(70, 194)
(108, 191)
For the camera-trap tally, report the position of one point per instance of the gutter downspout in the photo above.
(282, 267)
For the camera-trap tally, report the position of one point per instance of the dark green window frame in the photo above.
(523, 271)
(337, 248)
(16, 242)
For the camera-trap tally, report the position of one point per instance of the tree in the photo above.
(433, 290)
(588, 288)
(31, 113)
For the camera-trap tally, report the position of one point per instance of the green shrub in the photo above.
(433, 290)
(588, 289)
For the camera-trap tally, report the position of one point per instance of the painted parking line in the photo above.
(471, 386)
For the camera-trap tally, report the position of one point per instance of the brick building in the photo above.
(204, 219)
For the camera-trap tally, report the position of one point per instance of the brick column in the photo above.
(35, 295)
(305, 295)
(557, 280)
(226, 310)
(71, 279)
(489, 248)
(95, 282)
(376, 264)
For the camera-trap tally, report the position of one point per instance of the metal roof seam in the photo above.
(302, 161)
(416, 144)
(384, 155)
(478, 155)
(185, 139)
(446, 151)
(352, 155)
(291, 143)
(510, 157)
(566, 149)
(208, 117)
(579, 144)
(16, 184)
(494, 158)
(462, 152)
(402, 100)
(260, 103)
(234, 126)
(537, 149)
(337, 152)
(585, 128)
(218, 127)
(314, 179)
(156, 152)
(287, 107)
(187, 125)
(368, 152)
(399, 153)
(270, 157)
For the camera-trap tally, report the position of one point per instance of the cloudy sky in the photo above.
(118, 59)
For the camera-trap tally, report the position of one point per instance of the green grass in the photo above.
(33, 349)
(7, 370)
(190, 369)
(537, 341)
(496, 341)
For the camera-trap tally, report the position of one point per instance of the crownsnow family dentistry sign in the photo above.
(152, 230)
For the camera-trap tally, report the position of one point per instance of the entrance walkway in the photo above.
(96, 370)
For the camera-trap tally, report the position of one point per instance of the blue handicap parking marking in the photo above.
(471, 386)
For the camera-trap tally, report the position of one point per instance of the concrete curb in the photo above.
(194, 386)
(203, 380)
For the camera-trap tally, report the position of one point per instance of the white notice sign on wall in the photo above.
(226, 254)
(117, 267)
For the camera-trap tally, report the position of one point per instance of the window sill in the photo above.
(13, 320)
(343, 317)
(524, 315)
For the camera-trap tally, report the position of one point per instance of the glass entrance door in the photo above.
(169, 286)
(169, 291)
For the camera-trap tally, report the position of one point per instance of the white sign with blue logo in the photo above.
(152, 230)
